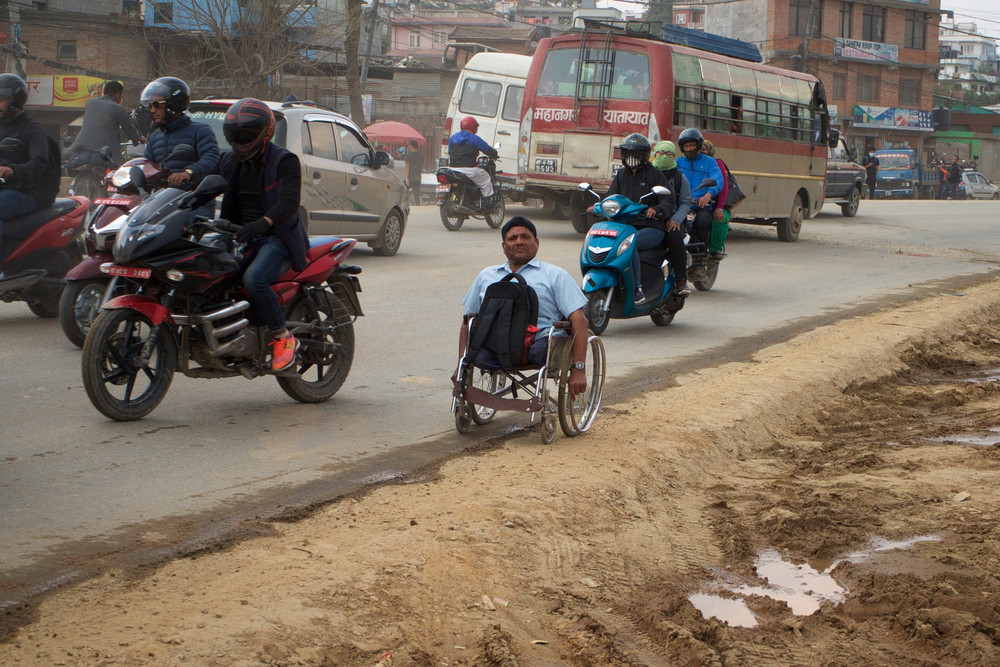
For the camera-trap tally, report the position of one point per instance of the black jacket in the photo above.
(36, 163)
(635, 185)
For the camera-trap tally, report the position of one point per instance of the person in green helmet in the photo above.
(665, 159)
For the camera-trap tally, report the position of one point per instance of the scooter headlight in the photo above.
(626, 244)
(610, 208)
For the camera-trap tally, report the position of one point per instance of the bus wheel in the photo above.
(788, 228)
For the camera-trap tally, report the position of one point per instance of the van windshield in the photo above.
(895, 161)
(624, 75)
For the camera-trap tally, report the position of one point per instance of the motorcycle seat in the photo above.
(22, 226)
(456, 176)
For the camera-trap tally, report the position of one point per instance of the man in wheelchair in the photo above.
(559, 298)
(502, 352)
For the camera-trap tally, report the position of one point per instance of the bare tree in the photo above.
(353, 65)
(242, 47)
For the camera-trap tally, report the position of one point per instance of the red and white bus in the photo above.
(586, 91)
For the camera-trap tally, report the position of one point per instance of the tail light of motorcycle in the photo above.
(442, 179)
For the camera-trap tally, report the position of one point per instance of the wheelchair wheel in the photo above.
(489, 381)
(548, 429)
(576, 415)
(463, 418)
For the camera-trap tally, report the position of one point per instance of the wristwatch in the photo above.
(578, 365)
(189, 172)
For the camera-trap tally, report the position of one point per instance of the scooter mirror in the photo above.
(183, 152)
(707, 183)
(581, 186)
(660, 190)
(137, 177)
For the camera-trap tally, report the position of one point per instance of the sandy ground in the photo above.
(838, 493)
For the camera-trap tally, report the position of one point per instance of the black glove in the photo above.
(252, 230)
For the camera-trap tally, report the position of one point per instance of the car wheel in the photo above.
(996, 196)
(850, 209)
(392, 234)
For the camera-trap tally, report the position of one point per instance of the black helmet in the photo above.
(171, 90)
(689, 135)
(635, 150)
(13, 88)
(248, 126)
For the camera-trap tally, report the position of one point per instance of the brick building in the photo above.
(877, 59)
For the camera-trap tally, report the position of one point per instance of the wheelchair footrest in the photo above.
(485, 399)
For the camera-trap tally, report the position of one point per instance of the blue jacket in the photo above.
(183, 130)
(464, 148)
(704, 166)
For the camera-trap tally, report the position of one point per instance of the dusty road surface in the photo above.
(834, 501)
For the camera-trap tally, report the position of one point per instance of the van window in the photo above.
(512, 103)
(321, 140)
(480, 98)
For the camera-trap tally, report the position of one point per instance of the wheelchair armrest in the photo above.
(565, 325)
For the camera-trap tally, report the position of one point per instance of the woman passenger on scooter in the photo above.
(635, 180)
(263, 195)
(665, 159)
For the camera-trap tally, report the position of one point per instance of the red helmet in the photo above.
(469, 123)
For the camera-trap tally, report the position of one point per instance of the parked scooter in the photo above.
(192, 314)
(39, 248)
(459, 198)
(87, 287)
(606, 263)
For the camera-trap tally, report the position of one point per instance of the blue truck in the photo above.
(902, 176)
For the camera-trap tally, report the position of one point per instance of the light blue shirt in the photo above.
(558, 294)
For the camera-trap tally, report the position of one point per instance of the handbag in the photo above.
(736, 194)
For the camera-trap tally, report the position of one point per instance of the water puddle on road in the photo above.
(987, 438)
(801, 586)
(989, 375)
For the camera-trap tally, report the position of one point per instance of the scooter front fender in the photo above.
(89, 268)
(148, 306)
(595, 281)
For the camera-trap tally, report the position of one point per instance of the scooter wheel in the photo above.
(597, 317)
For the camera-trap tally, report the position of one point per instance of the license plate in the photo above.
(129, 272)
(545, 166)
(442, 189)
(112, 202)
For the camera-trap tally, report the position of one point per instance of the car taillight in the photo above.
(447, 131)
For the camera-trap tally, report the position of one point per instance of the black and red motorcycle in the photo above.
(191, 313)
(460, 198)
(87, 287)
(39, 248)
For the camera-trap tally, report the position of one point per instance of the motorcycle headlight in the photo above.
(610, 208)
(121, 177)
(626, 244)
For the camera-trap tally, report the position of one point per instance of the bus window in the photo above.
(736, 114)
(480, 98)
(512, 104)
(687, 107)
(749, 116)
(558, 75)
(716, 75)
(743, 80)
(768, 85)
(717, 111)
(687, 69)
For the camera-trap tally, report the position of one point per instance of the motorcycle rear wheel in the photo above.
(452, 221)
(79, 306)
(87, 185)
(112, 370)
(711, 272)
(48, 307)
(321, 374)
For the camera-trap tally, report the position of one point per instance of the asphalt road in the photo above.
(79, 491)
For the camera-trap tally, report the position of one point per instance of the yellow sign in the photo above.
(74, 91)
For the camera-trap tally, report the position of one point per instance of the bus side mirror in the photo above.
(832, 138)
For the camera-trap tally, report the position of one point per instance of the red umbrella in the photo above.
(391, 132)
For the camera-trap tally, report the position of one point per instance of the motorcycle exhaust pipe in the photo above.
(226, 311)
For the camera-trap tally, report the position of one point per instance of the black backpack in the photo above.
(507, 321)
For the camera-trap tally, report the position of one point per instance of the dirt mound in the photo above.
(835, 499)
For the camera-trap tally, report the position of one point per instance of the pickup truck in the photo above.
(901, 175)
(845, 178)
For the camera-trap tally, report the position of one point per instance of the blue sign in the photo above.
(893, 118)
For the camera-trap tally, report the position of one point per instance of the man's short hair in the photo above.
(518, 221)
(112, 88)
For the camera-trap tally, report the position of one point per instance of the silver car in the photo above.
(978, 186)
(347, 186)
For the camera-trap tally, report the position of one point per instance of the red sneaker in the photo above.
(283, 351)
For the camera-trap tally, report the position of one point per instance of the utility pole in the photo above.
(812, 18)
(373, 19)
(15, 61)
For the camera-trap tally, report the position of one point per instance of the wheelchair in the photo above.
(479, 392)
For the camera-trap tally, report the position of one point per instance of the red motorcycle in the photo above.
(39, 248)
(192, 315)
(87, 288)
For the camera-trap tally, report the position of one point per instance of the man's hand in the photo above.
(179, 178)
(590, 209)
(650, 212)
(720, 215)
(5, 172)
(672, 226)
(252, 230)
(577, 382)
(705, 200)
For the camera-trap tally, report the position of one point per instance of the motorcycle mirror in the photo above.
(496, 146)
(106, 152)
(581, 186)
(10, 145)
(211, 183)
(183, 152)
(707, 183)
(660, 190)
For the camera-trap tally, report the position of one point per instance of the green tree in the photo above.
(661, 11)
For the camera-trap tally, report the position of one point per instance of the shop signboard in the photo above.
(893, 118)
(63, 91)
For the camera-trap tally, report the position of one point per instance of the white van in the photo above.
(490, 89)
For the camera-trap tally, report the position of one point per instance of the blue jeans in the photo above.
(269, 262)
(14, 203)
(645, 238)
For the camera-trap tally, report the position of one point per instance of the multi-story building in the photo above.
(878, 59)
(968, 58)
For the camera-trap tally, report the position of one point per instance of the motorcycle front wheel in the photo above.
(452, 221)
(119, 383)
(327, 347)
(495, 217)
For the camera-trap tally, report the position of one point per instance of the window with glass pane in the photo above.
(512, 103)
(480, 97)
(915, 33)
(630, 76)
(846, 18)
(687, 107)
(867, 88)
(909, 92)
(839, 86)
(321, 139)
(798, 18)
(873, 24)
(352, 148)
